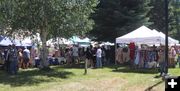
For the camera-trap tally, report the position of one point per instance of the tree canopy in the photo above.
(114, 18)
(47, 17)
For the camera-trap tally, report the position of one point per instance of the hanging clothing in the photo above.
(119, 55)
(125, 54)
(172, 55)
(137, 57)
(132, 51)
(142, 59)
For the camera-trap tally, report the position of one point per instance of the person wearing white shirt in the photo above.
(75, 54)
(26, 58)
(98, 57)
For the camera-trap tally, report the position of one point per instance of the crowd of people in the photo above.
(143, 56)
(97, 56)
(12, 58)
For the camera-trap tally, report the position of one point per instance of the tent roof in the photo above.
(60, 40)
(5, 41)
(171, 40)
(141, 32)
(140, 35)
(144, 35)
(77, 39)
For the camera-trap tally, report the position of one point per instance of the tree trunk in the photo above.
(44, 51)
(43, 33)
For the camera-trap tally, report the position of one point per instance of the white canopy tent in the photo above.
(59, 41)
(5, 41)
(171, 40)
(82, 42)
(144, 35)
(77, 39)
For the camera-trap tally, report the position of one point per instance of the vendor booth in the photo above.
(138, 47)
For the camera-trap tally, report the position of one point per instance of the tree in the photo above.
(176, 11)
(7, 13)
(114, 18)
(157, 16)
(48, 17)
(75, 18)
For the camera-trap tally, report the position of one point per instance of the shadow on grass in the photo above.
(73, 66)
(33, 77)
(151, 87)
(126, 69)
(113, 66)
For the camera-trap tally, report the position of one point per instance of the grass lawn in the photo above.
(72, 79)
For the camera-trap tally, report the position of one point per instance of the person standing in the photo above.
(13, 59)
(26, 58)
(103, 55)
(75, 53)
(20, 56)
(7, 62)
(178, 53)
(68, 54)
(161, 60)
(94, 50)
(99, 57)
(1, 56)
(89, 56)
(107, 52)
(172, 55)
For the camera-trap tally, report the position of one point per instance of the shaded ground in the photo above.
(32, 77)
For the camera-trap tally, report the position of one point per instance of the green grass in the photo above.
(61, 78)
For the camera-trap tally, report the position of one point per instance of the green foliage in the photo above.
(114, 18)
(75, 18)
(176, 12)
(157, 16)
(59, 17)
(56, 18)
(7, 13)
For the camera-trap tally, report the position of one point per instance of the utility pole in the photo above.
(166, 33)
